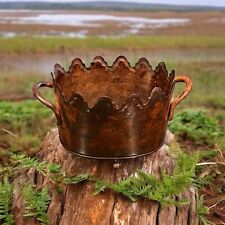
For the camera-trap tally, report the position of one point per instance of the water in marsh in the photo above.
(82, 23)
(59, 22)
(44, 63)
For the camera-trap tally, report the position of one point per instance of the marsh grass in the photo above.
(208, 84)
(16, 85)
(22, 126)
(28, 44)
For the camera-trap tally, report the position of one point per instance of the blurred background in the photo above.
(189, 36)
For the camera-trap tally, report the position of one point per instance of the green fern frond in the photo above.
(139, 184)
(100, 185)
(52, 170)
(25, 161)
(75, 179)
(6, 194)
(36, 204)
(162, 190)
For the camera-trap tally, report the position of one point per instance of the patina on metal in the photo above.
(113, 112)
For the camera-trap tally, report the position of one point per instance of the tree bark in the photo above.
(76, 204)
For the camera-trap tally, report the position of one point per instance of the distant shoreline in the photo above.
(103, 5)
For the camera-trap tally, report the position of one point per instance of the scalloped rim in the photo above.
(101, 61)
(112, 103)
(58, 71)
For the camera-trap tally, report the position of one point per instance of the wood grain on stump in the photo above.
(76, 204)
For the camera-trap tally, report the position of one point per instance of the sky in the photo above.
(176, 2)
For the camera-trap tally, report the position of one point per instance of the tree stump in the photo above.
(76, 204)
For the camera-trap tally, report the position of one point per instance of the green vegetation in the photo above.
(6, 194)
(137, 185)
(195, 125)
(202, 211)
(208, 82)
(58, 44)
(208, 154)
(36, 204)
(162, 190)
(23, 125)
(140, 184)
(200, 182)
(28, 112)
(15, 85)
(52, 171)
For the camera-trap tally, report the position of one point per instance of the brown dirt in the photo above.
(213, 200)
(214, 193)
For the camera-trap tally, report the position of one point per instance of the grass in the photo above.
(28, 112)
(23, 126)
(17, 85)
(196, 125)
(208, 83)
(28, 44)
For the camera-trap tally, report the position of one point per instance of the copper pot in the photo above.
(114, 111)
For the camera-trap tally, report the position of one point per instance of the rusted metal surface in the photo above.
(114, 111)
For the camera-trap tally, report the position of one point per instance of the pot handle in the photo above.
(40, 98)
(185, 93)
